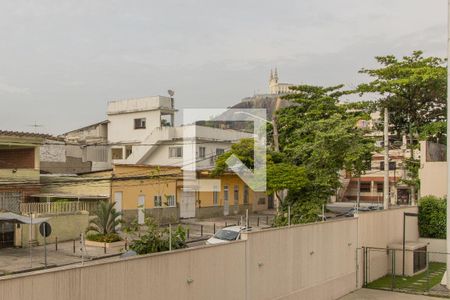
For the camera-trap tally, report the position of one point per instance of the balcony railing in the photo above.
(58, 207)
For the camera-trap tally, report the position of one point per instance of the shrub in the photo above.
(104, 238)
(156, 239)
(432, 217)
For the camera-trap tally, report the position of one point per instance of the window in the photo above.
(117, 153)
(139, 123)
(225, 192)
(128, 150)
(157, 201)
(246, 193)
(364, 187)
(220, 151)
(380, 187)
(236, 194)
(202, 152)
(175, 151)
(171, 201)
(215, 196)
(392, 165)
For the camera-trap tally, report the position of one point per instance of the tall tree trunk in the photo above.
(411, 147)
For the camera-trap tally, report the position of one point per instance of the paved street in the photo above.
(368, 294)
(18, 259)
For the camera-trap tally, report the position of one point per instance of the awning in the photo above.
(69, 196)
(15, 218)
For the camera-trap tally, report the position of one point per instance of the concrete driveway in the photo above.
(368, 294)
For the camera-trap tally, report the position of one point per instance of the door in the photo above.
(187, 207)
(6, 235)
(118, 205)
(270, 200)
(226, 201)
(141, 209)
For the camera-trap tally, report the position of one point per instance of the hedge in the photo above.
(433, 217)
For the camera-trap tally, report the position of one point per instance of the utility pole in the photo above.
(386, 159)
(276, 145)
(448, 148)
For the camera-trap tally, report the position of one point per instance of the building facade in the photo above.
(19, 175)
(433, 169)
(142, 190)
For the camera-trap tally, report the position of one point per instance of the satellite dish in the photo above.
(171, 93)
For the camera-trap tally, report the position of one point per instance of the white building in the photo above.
(141, 131)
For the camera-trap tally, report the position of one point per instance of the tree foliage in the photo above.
(318, 138)
(412, 88)
(320, 134)
(433, 217)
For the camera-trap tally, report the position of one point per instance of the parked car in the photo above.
(352, 211)
(375, 207)
(226, 235)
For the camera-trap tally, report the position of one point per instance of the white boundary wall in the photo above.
(312, 261)
(436, 245)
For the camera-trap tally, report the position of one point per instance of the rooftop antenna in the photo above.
(35, 125)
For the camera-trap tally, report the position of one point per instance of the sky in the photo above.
(62, 61)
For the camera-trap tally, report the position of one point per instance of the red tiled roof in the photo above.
(24, 134)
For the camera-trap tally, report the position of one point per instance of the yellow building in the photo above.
(142, 190)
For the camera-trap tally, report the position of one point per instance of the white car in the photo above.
(226, 235)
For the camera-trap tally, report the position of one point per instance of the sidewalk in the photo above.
(18, 259)
(368, 294)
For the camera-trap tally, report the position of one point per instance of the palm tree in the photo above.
(106, 219)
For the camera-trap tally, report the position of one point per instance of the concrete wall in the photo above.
(436, 245)
(311, 261)
(314, 261)
(433, 178)
(65, 227)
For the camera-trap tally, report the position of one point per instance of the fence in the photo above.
(58, 207)
(416, 271)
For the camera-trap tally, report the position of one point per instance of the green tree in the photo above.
(106, 219)
(318, 138)
(320, 134)
(413, 88)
